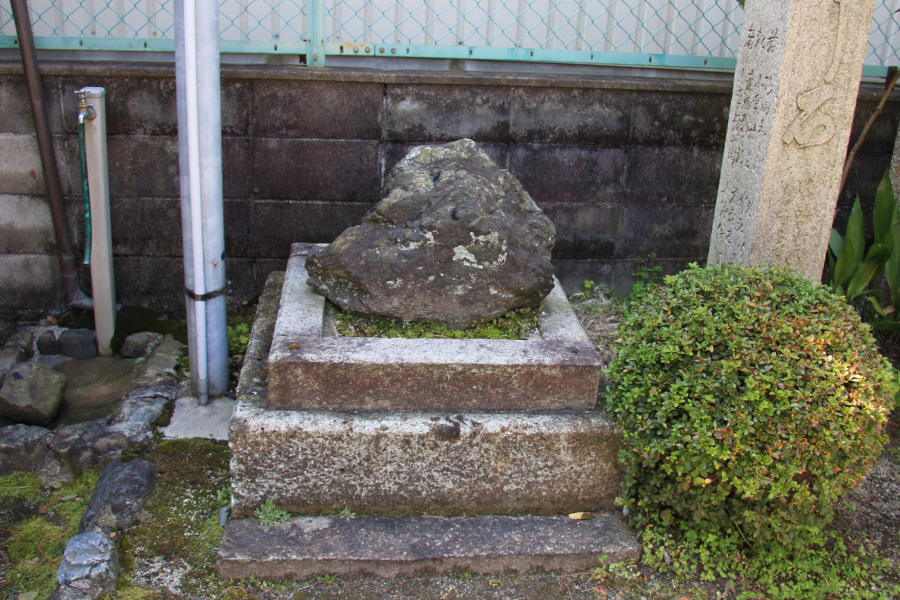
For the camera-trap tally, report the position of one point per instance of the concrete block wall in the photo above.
(624, 167)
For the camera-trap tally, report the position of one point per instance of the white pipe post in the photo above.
(200, 161)
(185, 182)
(103, 281)
(210, 128)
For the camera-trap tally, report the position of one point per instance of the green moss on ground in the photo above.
(515, 325)
(180, 521)
(20, 485)
(39, 532)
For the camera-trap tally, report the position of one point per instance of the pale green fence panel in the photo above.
(663, 33)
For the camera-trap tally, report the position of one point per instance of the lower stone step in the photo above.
(406, 463)
(309, 546)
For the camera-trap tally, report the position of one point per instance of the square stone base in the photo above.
(310, 370)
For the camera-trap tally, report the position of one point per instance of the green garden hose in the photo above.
(85, 192)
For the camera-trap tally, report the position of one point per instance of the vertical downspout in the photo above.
(200, 163)
(210, 122)
(73, 294)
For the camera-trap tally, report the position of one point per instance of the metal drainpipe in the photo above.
(73, 294)
(200, 164)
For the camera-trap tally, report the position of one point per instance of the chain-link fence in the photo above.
(607, 31)
(698, 27)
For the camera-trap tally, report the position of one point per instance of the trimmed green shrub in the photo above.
(750, 400)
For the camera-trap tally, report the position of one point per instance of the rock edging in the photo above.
(90, 565)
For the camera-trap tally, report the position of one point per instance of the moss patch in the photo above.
(39, 534)
(515, 325)
(19, 485)
(180, 521)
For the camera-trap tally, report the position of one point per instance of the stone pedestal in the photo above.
(427, 426)
(795, 90)
(515, 431)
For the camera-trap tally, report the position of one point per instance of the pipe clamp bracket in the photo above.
(204, 297)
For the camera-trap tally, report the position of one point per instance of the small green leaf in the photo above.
(856, 232)
(861, 279)
(885, 208)
(880, 252)
(846, 264)
(836, 242)
(876, 305)
(892, 265)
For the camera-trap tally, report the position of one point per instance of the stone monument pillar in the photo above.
(795, 89)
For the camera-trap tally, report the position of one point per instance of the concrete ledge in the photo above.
(404, 463)
(105, 69)
(309, 371)
(306, 547)
(253, 382)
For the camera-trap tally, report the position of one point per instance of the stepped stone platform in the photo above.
(393, 465)
(309, 369)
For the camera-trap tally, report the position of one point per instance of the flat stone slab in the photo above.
(191, 419)
(404, 463)
(309, 370)
(310, 546)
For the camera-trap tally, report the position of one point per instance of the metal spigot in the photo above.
(86, 112)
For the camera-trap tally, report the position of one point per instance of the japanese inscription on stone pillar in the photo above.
(795, 91)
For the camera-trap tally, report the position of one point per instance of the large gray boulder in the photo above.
(31, 393)
(456, 240)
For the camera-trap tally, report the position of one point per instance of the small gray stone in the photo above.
(144, 410)
(90, 564)
(169, 392)
(31, 393)
(25, 448)
(20, 445)
(137, 432)
(47, 343)
(161, 368)
(78, 343)
(456, 240)
(7, 328)
(65, 592)
(137, 345)
(89, 444)
(52, 470)
(119, 496)
(10, 357)
(23, 340)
